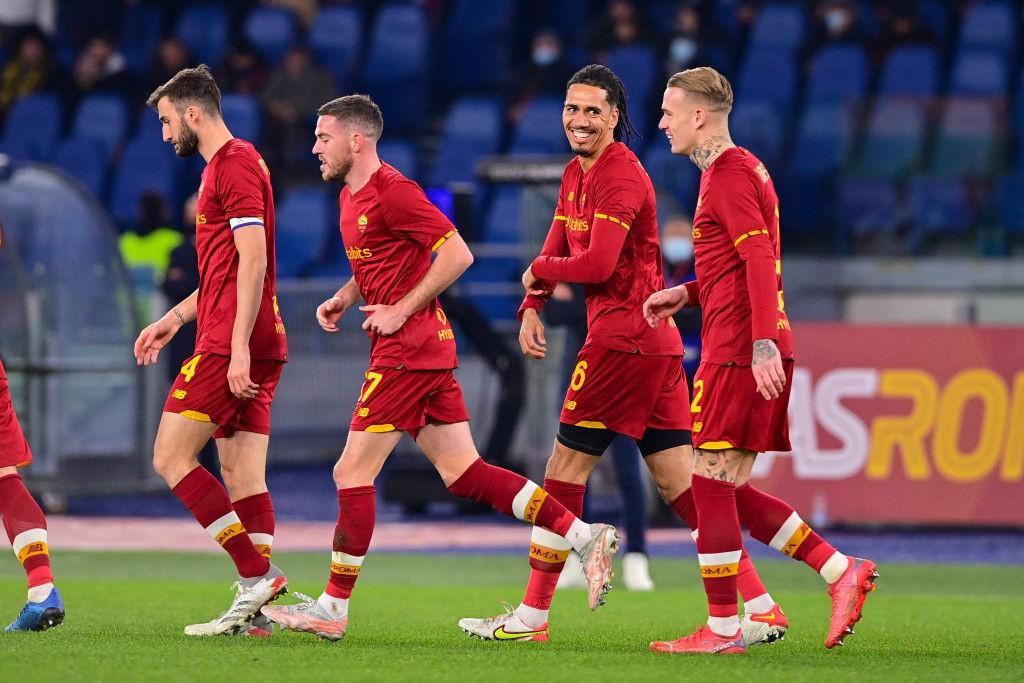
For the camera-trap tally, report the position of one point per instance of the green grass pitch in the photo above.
(126, 612)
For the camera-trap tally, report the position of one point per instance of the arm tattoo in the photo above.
(707, 151)
(764, 351)
(180, 316)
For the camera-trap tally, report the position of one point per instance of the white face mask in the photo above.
(683, 50)
(677, 249)
(545, 56)
(836, 20)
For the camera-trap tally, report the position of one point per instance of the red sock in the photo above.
(747, 580)
(357, 513)
(718, 543)
(775, 523)
(513, 495)
(257, 515)
(26, 528)
(208, 501)
(549, 552)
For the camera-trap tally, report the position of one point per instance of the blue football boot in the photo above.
(39, 616)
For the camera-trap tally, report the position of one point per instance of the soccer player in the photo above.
(24, 522)
(225, 389)
(390, 230)
(629, 376)
(741, 389)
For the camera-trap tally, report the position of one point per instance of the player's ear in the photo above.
(613, 120)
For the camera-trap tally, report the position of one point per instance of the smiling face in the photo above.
(681, 119)
(333, 147)
(175, 128)
(589, 119)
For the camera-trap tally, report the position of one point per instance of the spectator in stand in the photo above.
(688, 45)
(32, 69)
(101, 68)
(899, 24)
(547, 74)
(836, 21)
(298, 86)
(304, 10)
(148, 247)
(677, 255)
(172, 56)
(243, 71)
(16, 16)
(623, 24)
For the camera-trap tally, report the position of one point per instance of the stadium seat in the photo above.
(759, 127)
(84, 159)
(1011, 204)
(141, 29)
(304, 220)
(839, 73)
(823, 139)
(970, 139)
(638, 67)
(205, 29)
(938, 208)
(242, 115)
(979, 73)
(911, 70)
(103, 118)
(768, 75)
(778, 26)
(806, 204)
(475, 45)
(33, 127)
(894, 138)
(673, 174)
(487, 283)
(336, 39)
(141, 168)
(504, 216)
(271, 30)
(540, 129)
(401, 154)
(395, 72)
(989, 25)
(472, 129)
(936, 16)
(868, 207)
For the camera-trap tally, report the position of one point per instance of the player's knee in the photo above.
(569, 464)
(169, 465)
(241, 483)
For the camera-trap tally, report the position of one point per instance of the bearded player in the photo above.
(225, 389)
(741, 389)
(24, 522)
(390, 231)
(629, 377)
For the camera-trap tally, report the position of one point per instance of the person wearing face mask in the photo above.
(677, 254)
(685, 46)
(836, 21)
(547, 72)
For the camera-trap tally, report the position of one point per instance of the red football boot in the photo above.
(848, 594)
(703, 641)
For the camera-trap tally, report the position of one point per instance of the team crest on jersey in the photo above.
(763, 172)
(361, 222)
(572, 195)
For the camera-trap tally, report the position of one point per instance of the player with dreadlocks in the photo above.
(629, 377)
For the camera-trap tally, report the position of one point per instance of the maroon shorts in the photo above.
(201, 392)
(626, 392)
(728, 412)
(394, 399)
(14, 450)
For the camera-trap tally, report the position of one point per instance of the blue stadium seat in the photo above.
(303, 223)
(768, 75)
(472, 129)
(911, 70)
(778, 26)
(638, 67)
(84, 159)
(336, 39)
(1011, 204)
(271, 30)
(395, 72)
(243, 116)
(980, 73)
(868, 206)
(807, 204)
(504, 221)
(936, 16)
(938, 207)
(33, 127)
(970, 139)
(672, 174)
(141, 28)
(989, 25)
(823, 139)
(540, 129)
(839, 73)
(141, 168)
(205, 29)
(401, 154)
(476, 44)
(761, 128)
(487, 284)
(894, 138)
(103, 118)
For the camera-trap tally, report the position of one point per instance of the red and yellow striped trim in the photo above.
(437, 244)
(752, 233)
(613, 219)
(534, 505)
(549, 555)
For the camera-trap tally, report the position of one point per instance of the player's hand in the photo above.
(533, 285)
(531, 335)
(329, 313)
(383, 319)
(663, 304)
(767, 368)
(153, 338)
(238, 375)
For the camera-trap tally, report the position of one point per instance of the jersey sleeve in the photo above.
(241, 183)
(409, 213)
(739, 210)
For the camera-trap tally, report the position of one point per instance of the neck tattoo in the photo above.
(706, 152)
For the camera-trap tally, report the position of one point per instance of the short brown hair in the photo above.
(712, 87)
(357, 109)
(190, 86)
